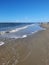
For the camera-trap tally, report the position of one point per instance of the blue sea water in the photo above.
(9, 26)
(18, 30)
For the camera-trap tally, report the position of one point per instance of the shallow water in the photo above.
(20, 31)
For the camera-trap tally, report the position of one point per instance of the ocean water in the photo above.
(18, 30)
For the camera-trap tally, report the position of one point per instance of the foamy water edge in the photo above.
(1, 43)
(16, 30)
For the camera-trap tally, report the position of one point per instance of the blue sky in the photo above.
(24, 10)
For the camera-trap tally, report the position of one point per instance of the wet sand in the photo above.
(33, 50)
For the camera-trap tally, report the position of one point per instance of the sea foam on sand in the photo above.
(24, 36)
(1, 43)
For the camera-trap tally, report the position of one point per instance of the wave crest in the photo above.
(15, 30)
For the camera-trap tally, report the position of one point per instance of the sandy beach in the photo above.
(32, 50)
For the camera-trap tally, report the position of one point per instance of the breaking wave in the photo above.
(15, 30)
(21, 32)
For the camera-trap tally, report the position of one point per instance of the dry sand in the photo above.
(33, 50)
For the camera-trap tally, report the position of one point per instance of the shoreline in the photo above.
(32, 50)
(23, 37)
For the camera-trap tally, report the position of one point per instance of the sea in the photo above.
(18, 30)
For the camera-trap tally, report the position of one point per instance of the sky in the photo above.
(24, 10)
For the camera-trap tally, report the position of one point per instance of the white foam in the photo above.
(14, 30)
(15, 37)
(1, 43)
(18, 29)
(24, 36)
